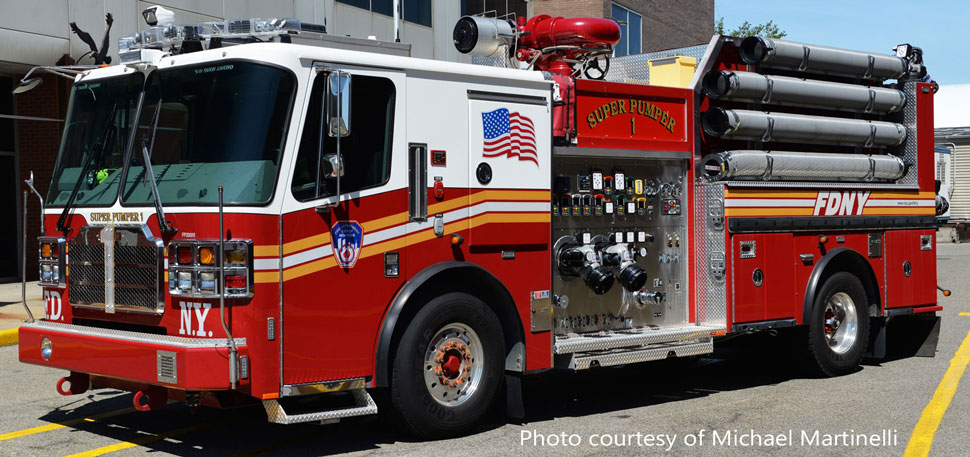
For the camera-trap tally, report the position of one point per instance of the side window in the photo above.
(366, 152)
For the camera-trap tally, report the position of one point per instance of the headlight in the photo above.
(46, 348)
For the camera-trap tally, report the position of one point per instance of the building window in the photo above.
(494, 8)
(416, 11)
(630, 31)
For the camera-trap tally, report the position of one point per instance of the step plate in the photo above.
(633, 338)
(584, 362)
(365, 406)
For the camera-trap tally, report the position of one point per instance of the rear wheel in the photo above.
(839, 328)
(448, 366)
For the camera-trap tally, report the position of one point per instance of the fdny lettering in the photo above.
(201, 312)
(52, 311)
(850, 203)
(641, 107)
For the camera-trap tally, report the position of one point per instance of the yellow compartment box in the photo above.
(675, 71)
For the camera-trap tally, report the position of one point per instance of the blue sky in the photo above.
(940, 27)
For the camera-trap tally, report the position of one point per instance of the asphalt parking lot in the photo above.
(749, 398)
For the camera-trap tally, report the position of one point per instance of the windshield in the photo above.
(219, 123)
(88, 136)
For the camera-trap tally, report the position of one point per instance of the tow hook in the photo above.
(79, 383)
(946, 292)
(156, 398)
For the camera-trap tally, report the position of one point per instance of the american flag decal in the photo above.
(509, 134)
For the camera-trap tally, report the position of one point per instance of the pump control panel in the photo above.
(618, 226)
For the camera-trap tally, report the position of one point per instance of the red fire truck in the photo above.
(254, 209)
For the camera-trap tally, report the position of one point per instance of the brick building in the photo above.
(659, 24)
(37, 33)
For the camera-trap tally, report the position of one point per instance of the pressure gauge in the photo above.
(649, 187)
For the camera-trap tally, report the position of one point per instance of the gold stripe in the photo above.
(402, 218)
(516, 195)
(807, 211)
(306, 243)
(758, 193)
(264, 277)
(309, 267)
(266, 250)
(415, 238)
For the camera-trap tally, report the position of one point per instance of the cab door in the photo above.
(335, 284)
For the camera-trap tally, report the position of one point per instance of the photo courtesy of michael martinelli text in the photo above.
(713, 438)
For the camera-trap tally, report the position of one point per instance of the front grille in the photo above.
(135, 275)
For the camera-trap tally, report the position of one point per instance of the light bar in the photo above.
(52, 261)
(801, 166)
(164, 37)
(193, 269)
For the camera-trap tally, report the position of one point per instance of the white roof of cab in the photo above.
(294, 56)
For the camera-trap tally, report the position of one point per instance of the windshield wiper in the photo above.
(163, 225)
(97, 151)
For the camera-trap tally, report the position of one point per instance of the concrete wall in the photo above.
(37, 32)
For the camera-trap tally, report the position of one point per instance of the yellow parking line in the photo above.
(8, 336)
(63, 424)
(143, 440)
(965, 314)
(922, 437)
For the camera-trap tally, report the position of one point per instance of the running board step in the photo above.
(634, 338)
(364, 405)
(606, 359)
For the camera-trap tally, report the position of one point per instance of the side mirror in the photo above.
(338, 103)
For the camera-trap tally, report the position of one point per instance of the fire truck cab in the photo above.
(309, 220)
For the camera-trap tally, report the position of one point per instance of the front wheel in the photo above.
(447, 367)
(839, 328)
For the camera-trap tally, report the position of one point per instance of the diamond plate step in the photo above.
(606, 359)
(365, 405)
(633, 338)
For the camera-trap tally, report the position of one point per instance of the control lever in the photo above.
(645, 298)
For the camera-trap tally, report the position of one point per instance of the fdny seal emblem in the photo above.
(346, 238)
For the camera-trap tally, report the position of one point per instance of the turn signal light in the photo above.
(45, 251)
(207, 256)
(823, 239)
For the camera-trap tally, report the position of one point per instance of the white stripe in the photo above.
(412, 227)
(767, 202)
(307, 256)
(266, 264)
(509, 207)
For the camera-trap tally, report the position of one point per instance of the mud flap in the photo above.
(514, 407)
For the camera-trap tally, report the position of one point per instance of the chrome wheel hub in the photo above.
(453, 364)
(841, 323)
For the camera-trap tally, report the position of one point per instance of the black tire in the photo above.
(836, 356)
(414, 408)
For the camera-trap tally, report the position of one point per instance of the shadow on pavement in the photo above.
(739, 363)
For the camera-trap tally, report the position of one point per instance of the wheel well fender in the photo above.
(836, 260)
(444, 277)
